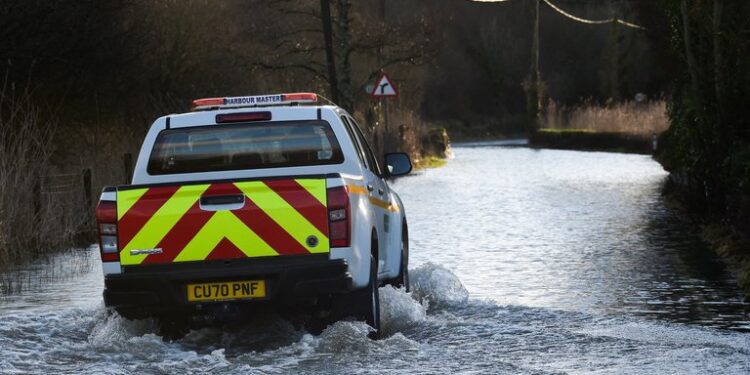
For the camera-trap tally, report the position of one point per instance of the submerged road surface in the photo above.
(523, 262)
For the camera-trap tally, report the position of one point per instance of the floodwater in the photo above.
(523, 262)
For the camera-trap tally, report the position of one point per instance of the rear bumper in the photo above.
(159, 289)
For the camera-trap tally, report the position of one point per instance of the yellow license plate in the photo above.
(226, 291)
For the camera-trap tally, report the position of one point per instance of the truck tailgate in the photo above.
(196, 222)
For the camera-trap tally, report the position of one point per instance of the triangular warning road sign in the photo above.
(384, 87)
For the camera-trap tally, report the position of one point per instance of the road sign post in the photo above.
(386, 133)
(383, 90)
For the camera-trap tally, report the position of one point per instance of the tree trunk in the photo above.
(343, 44)
(690, 56)
(333, 81)
(718, 64)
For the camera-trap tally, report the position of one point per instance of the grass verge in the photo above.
(429, 162)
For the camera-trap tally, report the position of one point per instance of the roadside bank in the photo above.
(629, 126)
(732, 247)
(435, 149)
(590, 140)
(727, 240)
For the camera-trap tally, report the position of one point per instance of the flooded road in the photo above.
(523, 262)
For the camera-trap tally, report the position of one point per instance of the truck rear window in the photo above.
(244, 146)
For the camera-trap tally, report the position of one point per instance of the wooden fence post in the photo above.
(87, 185)
(128, 163)
(38, 196)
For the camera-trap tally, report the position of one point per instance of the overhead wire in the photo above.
(576, 18)
(593, 22)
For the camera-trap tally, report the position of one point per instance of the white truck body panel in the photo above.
(366, 217)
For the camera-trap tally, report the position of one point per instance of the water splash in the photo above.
(454, 334)
(112, 333)
(437, 285)
(399, 310)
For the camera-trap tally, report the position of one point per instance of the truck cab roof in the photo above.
(273, 127)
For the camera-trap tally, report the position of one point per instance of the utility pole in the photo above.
(383, 101)
(333, 80)
(382, 28)
(532, 90)
(614, 58)
(614, 63)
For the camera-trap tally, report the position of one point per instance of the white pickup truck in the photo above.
(253, 201)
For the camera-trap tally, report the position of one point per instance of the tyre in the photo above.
(362, 304)
(402, 280)
(372, 310)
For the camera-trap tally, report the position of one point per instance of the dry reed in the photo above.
(642, 119)
(31, 221)
(407, 132)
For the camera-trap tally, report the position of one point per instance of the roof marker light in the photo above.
(303, 97)
(207, 102)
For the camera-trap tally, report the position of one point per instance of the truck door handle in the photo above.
(380, 191)
(222, 200)
(369, 187)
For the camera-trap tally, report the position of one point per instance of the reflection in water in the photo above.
(70, 278)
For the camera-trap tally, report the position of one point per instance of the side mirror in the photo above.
(398, 164)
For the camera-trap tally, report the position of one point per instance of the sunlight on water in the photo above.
(584, 231)
(524, 262)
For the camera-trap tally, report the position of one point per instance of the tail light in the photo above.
(339, 220)
(106, 222)
(243, 117)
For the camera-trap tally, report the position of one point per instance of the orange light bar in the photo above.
(301, 97)
(208, 102)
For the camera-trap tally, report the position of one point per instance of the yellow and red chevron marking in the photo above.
(277, 218)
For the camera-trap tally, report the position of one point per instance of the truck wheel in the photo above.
(402, 280)
(361, 304)
(372, 303)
